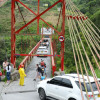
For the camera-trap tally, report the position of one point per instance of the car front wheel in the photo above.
(42, 94)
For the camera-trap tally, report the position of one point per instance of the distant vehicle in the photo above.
(66, 87)
(42, 50)
(45, 42)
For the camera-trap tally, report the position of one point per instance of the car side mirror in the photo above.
(48, 82)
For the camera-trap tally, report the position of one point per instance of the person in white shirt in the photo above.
(8, 70)
(5, 63)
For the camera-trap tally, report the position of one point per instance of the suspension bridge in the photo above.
(83, 33)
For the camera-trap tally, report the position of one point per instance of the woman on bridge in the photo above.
(8, 70)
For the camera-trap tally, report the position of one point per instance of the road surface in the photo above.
(28, 92)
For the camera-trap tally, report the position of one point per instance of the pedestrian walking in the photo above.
(22, 75)
(39, 71)
(8, 70)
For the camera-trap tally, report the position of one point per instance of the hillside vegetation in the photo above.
(90, 8)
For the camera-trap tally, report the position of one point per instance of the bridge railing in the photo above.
(52, 59)
(27, 59)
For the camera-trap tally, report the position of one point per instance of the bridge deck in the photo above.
(27, 92)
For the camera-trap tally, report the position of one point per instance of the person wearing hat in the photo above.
(22, 75)
(8, 70)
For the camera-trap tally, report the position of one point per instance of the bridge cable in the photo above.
(91, 67)
(88, 21)
(76, 61)
(85, 70)
(93, 37)
(83, 29)
(82, 60)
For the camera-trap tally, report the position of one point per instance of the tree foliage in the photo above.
(91, 8)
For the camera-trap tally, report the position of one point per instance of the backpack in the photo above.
(42, 64)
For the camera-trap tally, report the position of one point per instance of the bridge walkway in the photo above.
(28, 92)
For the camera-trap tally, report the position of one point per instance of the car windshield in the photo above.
(94, 87)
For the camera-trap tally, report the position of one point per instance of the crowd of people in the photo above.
(41, 71)
(6, 70)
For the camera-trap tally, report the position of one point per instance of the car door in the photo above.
(65, 89)
(52, 87)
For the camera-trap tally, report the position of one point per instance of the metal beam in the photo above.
(36, 55)
(38, 16)
(13, 38)
(63, 33)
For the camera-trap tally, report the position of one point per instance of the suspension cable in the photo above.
(76, 62)
(89, 62)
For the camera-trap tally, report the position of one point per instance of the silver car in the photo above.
(42, 51)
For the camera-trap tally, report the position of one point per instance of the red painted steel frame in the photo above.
(13, 38)
(36, 55)
(63, 33)
(53, 62)
(38, 16)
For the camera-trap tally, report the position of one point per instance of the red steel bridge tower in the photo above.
(38, 17)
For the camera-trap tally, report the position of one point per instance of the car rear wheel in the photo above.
(71, 99)
(42, 94)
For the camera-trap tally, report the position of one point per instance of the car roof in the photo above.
(75, 77)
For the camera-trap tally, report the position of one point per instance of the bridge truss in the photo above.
(80, 28)
(38, 15)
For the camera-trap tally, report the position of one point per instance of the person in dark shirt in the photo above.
(43, 75)
(39, 71)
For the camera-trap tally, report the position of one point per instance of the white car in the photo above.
(66, 87)
(42, 50)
